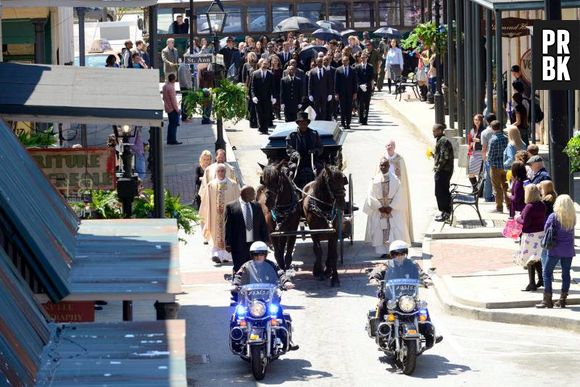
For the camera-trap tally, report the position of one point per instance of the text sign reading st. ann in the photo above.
(193, 59)
(556, 55)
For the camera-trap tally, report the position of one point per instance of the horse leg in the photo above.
(332, 261)
(290, 242)
(279, 243)
(318, 270)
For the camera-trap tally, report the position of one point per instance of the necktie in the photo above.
(248, 217)
(346, 72)
(263, 74)
(319, 74)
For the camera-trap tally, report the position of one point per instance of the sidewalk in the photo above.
(472, 265)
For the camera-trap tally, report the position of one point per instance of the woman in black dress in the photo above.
(205, 160)
(277, 71)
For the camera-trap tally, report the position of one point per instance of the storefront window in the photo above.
(362, 15)
(338, 12)
(389, 13)
(311, 11)
(234, 19)
(412, 12)
(164, 21)
(281, 12)
(257, 18)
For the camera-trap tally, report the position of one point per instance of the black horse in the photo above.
(284, 211)
(321, 201)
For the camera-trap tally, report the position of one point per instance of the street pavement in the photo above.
(329, 322)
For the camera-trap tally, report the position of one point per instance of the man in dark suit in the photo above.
(365, 75)
(285, 55)
(261, 89)
(290, 94)
(244, 224)
(345, 89)
(319, 89)
(299, 73)
(330, 105)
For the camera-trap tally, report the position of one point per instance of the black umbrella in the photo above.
(309, 52)
(295, 23)
(326, 34)
(329, 24)
(391, 33)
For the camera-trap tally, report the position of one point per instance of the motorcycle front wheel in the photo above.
(410, 360)
(259, 361)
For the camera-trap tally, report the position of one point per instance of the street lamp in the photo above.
(127, 181)
(438, 97)
(216, 20)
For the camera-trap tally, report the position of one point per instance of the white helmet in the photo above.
(398, 247)
(258, 248)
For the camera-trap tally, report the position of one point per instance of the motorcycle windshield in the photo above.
(402, 279)
(262, 292)
(260, 273)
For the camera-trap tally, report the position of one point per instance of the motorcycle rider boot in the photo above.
(438, 339)
(561, 303)
(538, 266)
(546, 302)
(532, 278)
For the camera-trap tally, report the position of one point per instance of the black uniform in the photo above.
(290, 96)
(299, 147)
(345, 86)
(365, 75)
(253, 272)
(331, 105)
(319, 88)
(263, 88)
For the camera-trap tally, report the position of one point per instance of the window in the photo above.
(311, 11)
(362, 15)
(411, 12)
(164, 21)
(233, 20)
(257, 18)
(338, 12)
(280, 12)
(389, 13)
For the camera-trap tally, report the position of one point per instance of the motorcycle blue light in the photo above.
(241, 311)
(423, 311)
(274, 309)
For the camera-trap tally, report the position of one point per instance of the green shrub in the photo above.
(572, 150)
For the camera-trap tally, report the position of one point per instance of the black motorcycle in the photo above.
(260, 331)
(400, 324)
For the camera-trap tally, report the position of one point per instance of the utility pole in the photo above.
(557, 120)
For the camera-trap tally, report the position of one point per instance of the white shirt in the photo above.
(249, 234)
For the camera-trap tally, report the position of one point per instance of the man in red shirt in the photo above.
(172, 109)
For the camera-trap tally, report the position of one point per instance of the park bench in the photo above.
(37, 352)
(463, 195)
(409, 81)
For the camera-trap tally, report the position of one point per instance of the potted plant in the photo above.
(229, 101)
(572, 150)
(36, 139)
(427, 34)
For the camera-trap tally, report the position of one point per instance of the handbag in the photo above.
(512, 229)
(548, 241)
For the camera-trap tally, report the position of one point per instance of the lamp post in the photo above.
(127, 181)
(438, 97)
(216, 19)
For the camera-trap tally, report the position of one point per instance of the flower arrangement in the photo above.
(429, 152)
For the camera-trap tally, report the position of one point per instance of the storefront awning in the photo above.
(76, 3)
(83, 95)
(521, 5)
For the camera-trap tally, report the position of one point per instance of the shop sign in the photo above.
(71, 312)
(526, 66)
(511, 27)
(77, 169)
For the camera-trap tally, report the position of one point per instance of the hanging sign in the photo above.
(511, 27)
(526, 65)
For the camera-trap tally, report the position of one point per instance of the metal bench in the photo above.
(408, 81)
(461, 195)
(36, 352)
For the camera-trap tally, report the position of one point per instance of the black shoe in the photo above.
(216, 260)
(438, 339)
(440, 218)
(175, 143)
(293, 347)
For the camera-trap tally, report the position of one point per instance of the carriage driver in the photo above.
(402, 267)
(303, 147)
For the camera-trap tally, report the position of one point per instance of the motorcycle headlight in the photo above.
(407, 304)
(391, 304)
(257, 309)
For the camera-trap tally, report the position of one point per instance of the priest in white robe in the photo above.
(385, 206)
(210, 172)
(398, 167)
(216, 194)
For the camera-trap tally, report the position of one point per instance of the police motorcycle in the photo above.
(401, 324)
(260, 331)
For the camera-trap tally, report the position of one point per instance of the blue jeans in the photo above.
(173, 118)
(551, 262)
(140, 166)
(487, 187)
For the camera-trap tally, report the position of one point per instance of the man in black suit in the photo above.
(285, 55)
(319, 89)
(345, 88)
(290, 94)
(365, 75)
(299, 74)
(330, 105)
(244, 224)
(261, 90)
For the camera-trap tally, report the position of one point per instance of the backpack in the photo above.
(538, 113)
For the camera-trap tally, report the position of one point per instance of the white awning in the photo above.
(76, 3)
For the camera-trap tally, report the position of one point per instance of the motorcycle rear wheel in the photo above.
(258, 363)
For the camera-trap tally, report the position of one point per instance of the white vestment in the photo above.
(398, 167)
(382, 229)
(210, 173)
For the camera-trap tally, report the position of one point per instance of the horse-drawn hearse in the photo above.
(320, 209)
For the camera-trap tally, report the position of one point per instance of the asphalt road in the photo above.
(329, 322)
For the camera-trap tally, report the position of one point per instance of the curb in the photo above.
(231, 157)
(455, 307)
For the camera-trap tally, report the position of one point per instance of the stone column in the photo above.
(39, 37)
